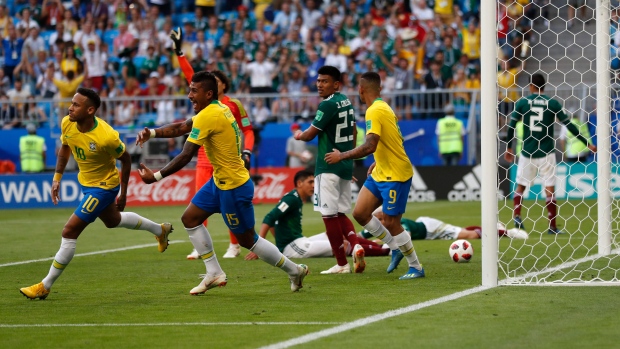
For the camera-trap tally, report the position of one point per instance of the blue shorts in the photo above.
(94, 201)
(393, 194)
(235, 205)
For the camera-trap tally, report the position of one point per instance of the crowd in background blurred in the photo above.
(122, 49)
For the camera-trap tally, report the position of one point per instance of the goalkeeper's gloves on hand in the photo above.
(177, 40)
(247, 157)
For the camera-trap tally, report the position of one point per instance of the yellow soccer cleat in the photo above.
(35, 291)
(162, 240)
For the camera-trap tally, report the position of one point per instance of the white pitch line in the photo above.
(250, 323)
(89, 253)
(371, 319)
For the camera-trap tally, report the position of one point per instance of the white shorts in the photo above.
(332, 194)
(314, 246)
(528, 168)
(438, 230)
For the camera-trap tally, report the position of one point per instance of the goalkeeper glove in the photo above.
(247, 157)
(177, 40)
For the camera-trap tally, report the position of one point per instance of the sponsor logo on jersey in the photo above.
(419, 191)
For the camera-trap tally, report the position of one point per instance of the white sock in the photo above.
(134, 221)
(201, 239)
(269, 253)
(403, 240)
(377, 230)
(61, 260)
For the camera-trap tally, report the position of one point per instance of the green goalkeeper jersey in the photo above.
(286, 218)
(538, 113)
(335, 118)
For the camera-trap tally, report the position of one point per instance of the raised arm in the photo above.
(179, 161)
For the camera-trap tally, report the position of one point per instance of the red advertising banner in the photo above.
(178, 189)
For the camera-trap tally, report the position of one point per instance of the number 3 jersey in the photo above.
(215, 128)
(95, 152)
(538, 113)
(336, 119)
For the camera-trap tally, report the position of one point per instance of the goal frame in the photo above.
(490, 145)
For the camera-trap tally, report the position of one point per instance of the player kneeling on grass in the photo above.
(96, 147)
(389, 178)
(230, 191)
(284, 222)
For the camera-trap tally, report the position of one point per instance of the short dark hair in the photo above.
(538, 80)
(223, 78)
(210, 84)
(301, 176)
(372, 79)
(91, 95)
(330, 71)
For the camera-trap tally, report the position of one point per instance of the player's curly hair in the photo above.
(223, 78)
(208, 79)
(91, 95)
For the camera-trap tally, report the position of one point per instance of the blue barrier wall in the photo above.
(422, 150)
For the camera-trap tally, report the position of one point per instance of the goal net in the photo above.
(573, 231)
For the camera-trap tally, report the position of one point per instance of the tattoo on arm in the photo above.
(189, 150)
(175, 130)
(369, 147)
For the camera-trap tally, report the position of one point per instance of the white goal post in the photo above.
(587, 253)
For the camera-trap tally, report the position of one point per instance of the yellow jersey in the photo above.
(215, 128)
(95, 152)
(392, 163)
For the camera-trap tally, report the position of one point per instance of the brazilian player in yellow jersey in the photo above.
(95, 146)
(389, 177)
(229, 192)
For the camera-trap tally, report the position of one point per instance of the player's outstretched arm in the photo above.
(179, 161)
(125, 160)
(168, 131)
(369, 147)
(63, 157)
(306, 135)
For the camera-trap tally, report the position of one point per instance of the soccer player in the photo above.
(389, 177)
(96, 147)
(428, 228)
(229, 192)
(286, 218)
(538, 113)
(335, 124)
(204, 169)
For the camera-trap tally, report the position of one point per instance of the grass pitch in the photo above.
(140, 298)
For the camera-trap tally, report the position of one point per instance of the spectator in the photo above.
(310, 13)
(51, 13)
(77, 10)
(283, 20)
(124, 39)
(507, 93)
(466, 65)
(434, 81)
(260, 72)
(165, 109)
(95, 64)
(33, 45)
(460, 83)
(12, 49)
(128, 67)
(70, 62)
(450, 133)
(297, 151)
(260, 112)
(98, 9)
(471, 41)
(86, 35)
(295, 82)
(34, 114)
(111, 90)
(236, 77)
(45, 82)
(5, 83)
(207, 7)
(199, 63)
(32, 151)
(163, 77)
(67, 88)
(69, 22)
(132, 87)
(149, 65)
(361, 45)
(336, 59)
(282, 108)
(6, 21)
(452, 54)
(60, 36)
(202, 44)
(403, 80)
(8, 114)
(19, 93)
(27, 22)
(446, 70)
(421, 12)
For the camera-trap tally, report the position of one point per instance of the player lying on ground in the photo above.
(284, 222)
(230, 191)
(96, 147)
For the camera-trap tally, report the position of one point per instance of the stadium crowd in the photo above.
(122, 49)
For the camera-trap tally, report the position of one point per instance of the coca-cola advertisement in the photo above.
(177, 189)
(273, 184)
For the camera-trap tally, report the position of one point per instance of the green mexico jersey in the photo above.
(538, 113)
(335, 118)
(286, 218)
(417, 230)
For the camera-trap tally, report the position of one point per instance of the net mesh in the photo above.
(556, 39)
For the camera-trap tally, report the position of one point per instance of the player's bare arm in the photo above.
(509, 155)
(168, 131)
(189, 150)
(306, 135)
(125, 160)
(63, 157)
(369, 147)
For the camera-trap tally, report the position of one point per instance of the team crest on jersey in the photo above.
(92, 146)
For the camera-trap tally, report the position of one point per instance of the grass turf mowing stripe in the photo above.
(257, 323)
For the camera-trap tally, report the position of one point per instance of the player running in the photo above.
(389, 177)
(538, 113)
(335, 124)
(229, 192)
(204, 168)
(95, 146)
